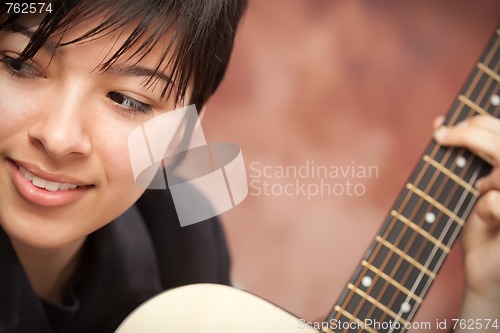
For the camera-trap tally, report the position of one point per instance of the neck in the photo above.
(49, 270)
(401, 264)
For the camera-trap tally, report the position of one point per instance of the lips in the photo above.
(46, 189)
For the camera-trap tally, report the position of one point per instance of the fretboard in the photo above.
(397, 270)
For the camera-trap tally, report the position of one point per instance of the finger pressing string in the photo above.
(488, 208)
(438, 121)
(490, 182)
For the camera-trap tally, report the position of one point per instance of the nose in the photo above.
(61, 130)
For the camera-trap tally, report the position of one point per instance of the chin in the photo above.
(43, 236)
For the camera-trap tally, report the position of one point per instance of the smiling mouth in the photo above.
(46, 184)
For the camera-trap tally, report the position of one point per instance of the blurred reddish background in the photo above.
(337, 82)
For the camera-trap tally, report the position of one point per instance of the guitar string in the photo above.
(417, 210)
(437, 171)
(496, 113)
(450, 222)
(382, 267)
(443, 255)
(414, 235)
(452, 239)
(471, 86)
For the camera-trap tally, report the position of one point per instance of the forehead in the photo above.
(116, 42)
(118, 38)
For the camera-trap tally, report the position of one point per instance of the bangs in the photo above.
(197, 36)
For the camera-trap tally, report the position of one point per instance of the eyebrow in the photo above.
(135, 70)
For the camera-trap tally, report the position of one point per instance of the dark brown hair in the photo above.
(201, 36)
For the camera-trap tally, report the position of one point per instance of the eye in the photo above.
(128, 104)
(21, 69)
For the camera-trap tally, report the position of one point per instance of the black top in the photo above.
(123, 264)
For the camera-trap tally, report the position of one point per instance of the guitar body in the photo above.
(210, 308)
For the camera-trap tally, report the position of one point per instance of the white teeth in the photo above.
(26, 173)
(64, 187)
(52, 186)
(39, 182)
(46, 184)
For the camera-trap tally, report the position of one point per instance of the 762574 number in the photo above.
(28, 7)
(475, 324)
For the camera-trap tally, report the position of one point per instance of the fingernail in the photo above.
(439, 121)
(440, 133)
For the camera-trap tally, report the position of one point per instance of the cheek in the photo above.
(115, 160)
(16, 105)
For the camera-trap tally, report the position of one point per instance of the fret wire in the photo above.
(397, 266)
(451, 221)
(450, 174)
(421, 231)
(437, 147)
(488, 71)
(375, 302)
(443, 256)
(437, 267)
(354, 319)
(473, 84)
(430, 258)
(472, 105)
(422, 246)
(482, 86)
(465, 101)
(358, 307)
(434, 202)
(400, 258)
(455, 233)
(360, 304)
(347, 299)
(469, 91)
(390, 280)
(404, 256)
(469, 187)
(411, 294)
(453, 174)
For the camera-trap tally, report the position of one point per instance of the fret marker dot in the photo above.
(430, 217)
(495, 100)
(461, 161)
(366, 281)
(405, 307)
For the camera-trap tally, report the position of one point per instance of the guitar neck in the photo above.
(397, 270)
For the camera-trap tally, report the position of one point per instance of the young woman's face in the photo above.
(64, 123)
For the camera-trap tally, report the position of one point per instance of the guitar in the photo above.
(395, 272)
